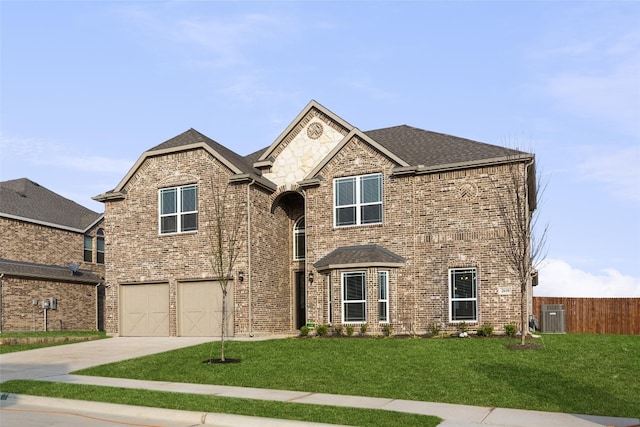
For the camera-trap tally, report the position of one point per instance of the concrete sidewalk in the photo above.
(37, 364)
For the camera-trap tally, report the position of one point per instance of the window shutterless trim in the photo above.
(178, 210)
(357, 200)
(473, 272)
(345, 302)
(383, 296)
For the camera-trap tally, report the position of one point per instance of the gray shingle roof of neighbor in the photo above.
(422, 147)
(26, 200)
(47, 272)
(192, 136)
(370, 255)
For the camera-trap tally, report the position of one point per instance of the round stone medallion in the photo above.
(314, 131)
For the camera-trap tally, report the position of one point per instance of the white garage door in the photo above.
(200, 309)
(145, 310)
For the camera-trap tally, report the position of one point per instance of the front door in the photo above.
(301, 298)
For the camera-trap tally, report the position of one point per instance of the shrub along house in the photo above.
(51, 261)
(339, 226)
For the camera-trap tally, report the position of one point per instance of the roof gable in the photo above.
(25, 200)
(191, 139)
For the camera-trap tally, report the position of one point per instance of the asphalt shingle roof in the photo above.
(25, 199)
(421, 147)
(46, 272)
(192, 136)
(351, 255)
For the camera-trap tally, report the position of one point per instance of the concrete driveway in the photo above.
(62, 359)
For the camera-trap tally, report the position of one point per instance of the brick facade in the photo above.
(27, 246)
(435, 221)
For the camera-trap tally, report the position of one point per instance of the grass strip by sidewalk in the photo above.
(22, 341)
(227, 405)
(572, 373)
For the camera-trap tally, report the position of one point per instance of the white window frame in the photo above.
(359, 204)
(298, 233)
(87, 248)
(474, 298)
(100, 242)
(383, 297)
(179, 212)
(344, 302)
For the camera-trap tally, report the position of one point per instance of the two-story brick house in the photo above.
(51, 252)
(339, 226)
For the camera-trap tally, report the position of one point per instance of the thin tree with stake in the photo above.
(225, 221)
(516, 199)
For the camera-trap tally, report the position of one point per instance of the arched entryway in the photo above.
(291, 203)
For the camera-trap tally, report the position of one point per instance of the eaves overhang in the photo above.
(422, 169)
(117, 192)
(51, 224)
(258, 180)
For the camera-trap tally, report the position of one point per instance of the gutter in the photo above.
(1, 277)
(422, 169)
(249, 271)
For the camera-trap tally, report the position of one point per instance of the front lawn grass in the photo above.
(572, 373)
(226, 405)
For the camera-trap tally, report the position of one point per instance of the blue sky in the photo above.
(86, 87)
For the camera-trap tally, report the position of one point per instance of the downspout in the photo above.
(1, 314)
(97, 307)
(306, 272)
(249, 275)
(529, 260)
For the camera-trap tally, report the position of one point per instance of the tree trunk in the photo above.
(224, 320)
(523, 315)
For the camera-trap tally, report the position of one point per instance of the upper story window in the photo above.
(88, 249)
(358, 200)
(299, 239)
(100, 246)
(463, 295)
(178, 208)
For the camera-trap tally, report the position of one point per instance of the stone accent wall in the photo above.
(76, 305)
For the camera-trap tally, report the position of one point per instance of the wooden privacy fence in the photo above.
(596, 315)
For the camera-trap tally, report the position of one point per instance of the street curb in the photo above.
(159, 414)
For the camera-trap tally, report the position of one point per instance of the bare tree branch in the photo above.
(516, 197)
(225, 221)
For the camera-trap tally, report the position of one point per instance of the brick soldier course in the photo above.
(438, 234)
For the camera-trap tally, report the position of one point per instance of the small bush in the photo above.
(363, 328)
(304, 331)
(510, 329)
(463, 327)
(485, 330)
(388, 329)
(349, 330)
(433, 329)
(338, 330)
(322, 330)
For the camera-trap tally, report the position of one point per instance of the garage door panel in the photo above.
(145, 310)
(200, 309)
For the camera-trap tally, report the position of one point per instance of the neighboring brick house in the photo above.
(50, 247)
(392, 226)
